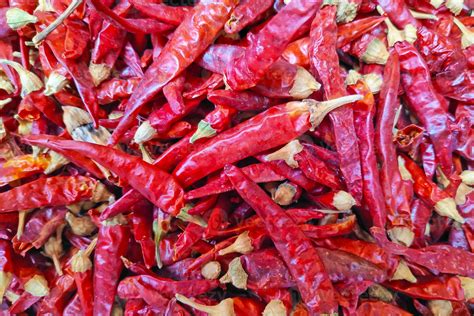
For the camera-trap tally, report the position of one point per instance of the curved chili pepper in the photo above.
(431, 109)
(161, 12)
(74, 307)
(54, 191)
(81, 267)
(330, 230)
(310, 276)
(430, 288)
(142, 231)
(178, 54)
(22, 167)
(156, 185)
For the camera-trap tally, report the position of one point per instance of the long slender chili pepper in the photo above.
(81, 266)
(112, 243)
(396, 196)
(269, 129)
(324, 62)
(310, 276)
(179, 53)
(164, 192)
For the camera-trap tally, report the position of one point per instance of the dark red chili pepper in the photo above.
(372, 308)
(241, 100)
(142, 232)
(325, 63)
(112, 243)
(266, 47)
(246, 13)
(257, 172)
(330, 230)
(162, 12)
(426, 103)
(116, 89)
(311, 278)
(151, 182)
(56, 301)
(179, 52)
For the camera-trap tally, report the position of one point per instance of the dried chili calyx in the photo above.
(17, 18)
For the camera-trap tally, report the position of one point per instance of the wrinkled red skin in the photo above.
(112, 244)
(432, 113)
(274, 127)
(190, 39)
(257, 172)
(73, 307)
(310, 276)
(156, 185)
(161, 12)
(54, 191)
(325, 63)
(246, 13)
(142, 232)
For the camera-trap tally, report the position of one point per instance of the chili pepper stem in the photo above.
(144, 133)
(37, 286)
(436, 3)
(243, 245)
(38, 38)
(319, 110)
(467, 38)
(5, 280)
(146, 156)
(275, 308)
(21, 223)
(57, 265)
(224, 308)
(423, 16)
(455, 6)
(287, 153)
(204, 130)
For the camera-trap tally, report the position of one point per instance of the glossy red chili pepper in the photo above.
(112, 243)
(372, 308)
(54, 191)
(312, 281)
(426, 103)
(61, 290)
(325, 63)
(257, 172)
(162, 12)
(431, 288)
(156, 185)
(268, 44)
(330, 230)
(162, 119)
(178, 54)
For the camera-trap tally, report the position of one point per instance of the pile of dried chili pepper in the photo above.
(237, 157)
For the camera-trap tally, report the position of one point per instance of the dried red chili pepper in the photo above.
(54, 191)
(134, 170)
(81, 267)
(325, 63)
(315, 282)
(112, 243)
(169, 63)
(266, 47)
(269, 129)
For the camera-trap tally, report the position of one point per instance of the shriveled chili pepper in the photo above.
(276, 126)
(112, 244)
(81, 267)
(171, 61)
(134, 170)
(312, 281)
(376, 307)
(73, 307)
(142, 231)
(241, 100)
(324, 62)
(266, 47)
(54, 191)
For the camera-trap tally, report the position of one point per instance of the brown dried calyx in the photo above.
(395, 35)
(403, 272)
(284, 194)
(242, 245)
(81, 262)
(5, 280)
(211, 270)
(144, 133)
(80, 225)
(287, 153)
(224, 308)
(319, 110)
(343, 201)
(30, 82)
(53, 248)
(401, 235)
(304, 85)
(236, 275)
